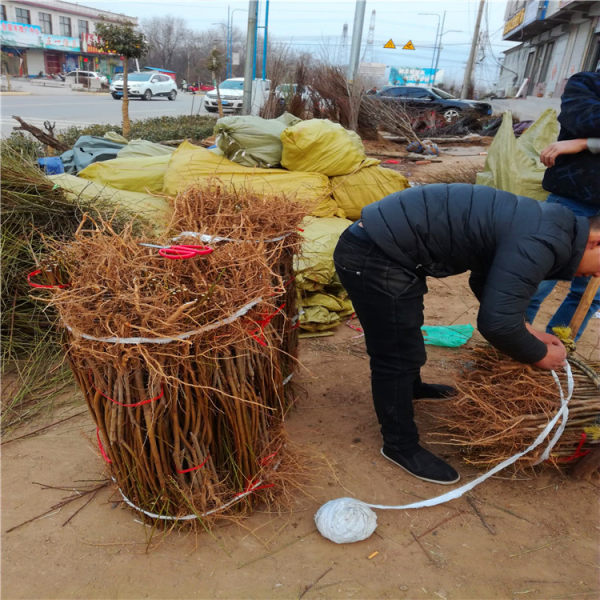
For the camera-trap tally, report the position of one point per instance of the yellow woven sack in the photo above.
(322, 146)
(139, 174)
(314, 266)
(193, 165)
(156, 210)
(513, 164)
(353, 192)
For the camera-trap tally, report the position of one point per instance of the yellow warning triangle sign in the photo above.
(408, 46)
(390, 44)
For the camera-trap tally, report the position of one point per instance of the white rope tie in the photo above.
(346, 520)
(167, 340)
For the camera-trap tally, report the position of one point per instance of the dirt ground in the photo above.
(533, 537)
(513, 537)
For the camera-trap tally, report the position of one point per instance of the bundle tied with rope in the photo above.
(501, 405)
(181, 362)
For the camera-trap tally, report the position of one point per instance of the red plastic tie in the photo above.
(262, 324)
(44, 287)
(132, 405)
(267, 459)
(578, 451)
(193, 468)
(349, 324)
(104, 455)
(254, 486)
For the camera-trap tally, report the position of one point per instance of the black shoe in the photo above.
(433, 390)
(423, 464)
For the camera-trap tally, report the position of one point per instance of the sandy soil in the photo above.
(524, 538)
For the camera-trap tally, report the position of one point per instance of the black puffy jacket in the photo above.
(508, 242)
(577, 176)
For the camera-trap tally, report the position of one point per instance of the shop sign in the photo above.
(20, 35)
(60, 42)
(514, 21)
(92, 44)
(411, 75)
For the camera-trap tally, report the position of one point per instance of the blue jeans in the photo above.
(562, 317)
(388, 300)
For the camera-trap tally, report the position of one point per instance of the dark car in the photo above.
(432, 98)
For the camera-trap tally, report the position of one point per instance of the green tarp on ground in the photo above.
(89, 149)
(513, 164)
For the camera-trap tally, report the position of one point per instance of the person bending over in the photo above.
(509, 244)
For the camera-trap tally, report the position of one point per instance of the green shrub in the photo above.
(157, 129)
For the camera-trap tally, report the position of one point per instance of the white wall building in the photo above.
(558, 38)
(51, 36)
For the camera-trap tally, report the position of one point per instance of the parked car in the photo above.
(427, 98)
(145, 85)
(232, 95)
(85, 77)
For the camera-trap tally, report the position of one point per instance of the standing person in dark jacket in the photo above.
(573, 180)
(509, 243)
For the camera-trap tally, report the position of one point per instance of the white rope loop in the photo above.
(167, 340)
(341, 512)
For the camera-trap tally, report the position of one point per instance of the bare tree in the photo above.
(166, 36)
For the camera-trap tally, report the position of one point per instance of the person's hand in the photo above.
(549, 153)
(555, 357)
(547, 338)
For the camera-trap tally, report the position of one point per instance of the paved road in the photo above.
(67, 107)
(58, 103)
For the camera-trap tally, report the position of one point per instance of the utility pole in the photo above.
(359, 19)
(250, 54)
(439, 47)
(467, 86)
(370, 38)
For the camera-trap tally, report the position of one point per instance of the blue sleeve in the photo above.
(580, 106)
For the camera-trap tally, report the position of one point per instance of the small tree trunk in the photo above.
(125, 107)
(219, 103)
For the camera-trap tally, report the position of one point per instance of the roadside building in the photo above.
(52, 36)
(557, 39)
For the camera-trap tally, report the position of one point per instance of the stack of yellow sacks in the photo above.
(322, 163)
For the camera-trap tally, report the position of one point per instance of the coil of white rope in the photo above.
(346, 520)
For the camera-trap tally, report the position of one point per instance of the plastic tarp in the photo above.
(137, 148)
(353, 192)
(450, 336)
(193, 165)
(513, 164)
(89, 149)
(138, 174)
(154, 209)
(322, 146)
(324, 301)
(252, 141)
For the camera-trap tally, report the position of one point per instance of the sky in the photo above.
(316, 26)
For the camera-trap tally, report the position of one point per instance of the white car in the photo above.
(85, 77)
(145, 85)
(232, 95)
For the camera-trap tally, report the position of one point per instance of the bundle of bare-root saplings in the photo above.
(502, 406)
(180, 346)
